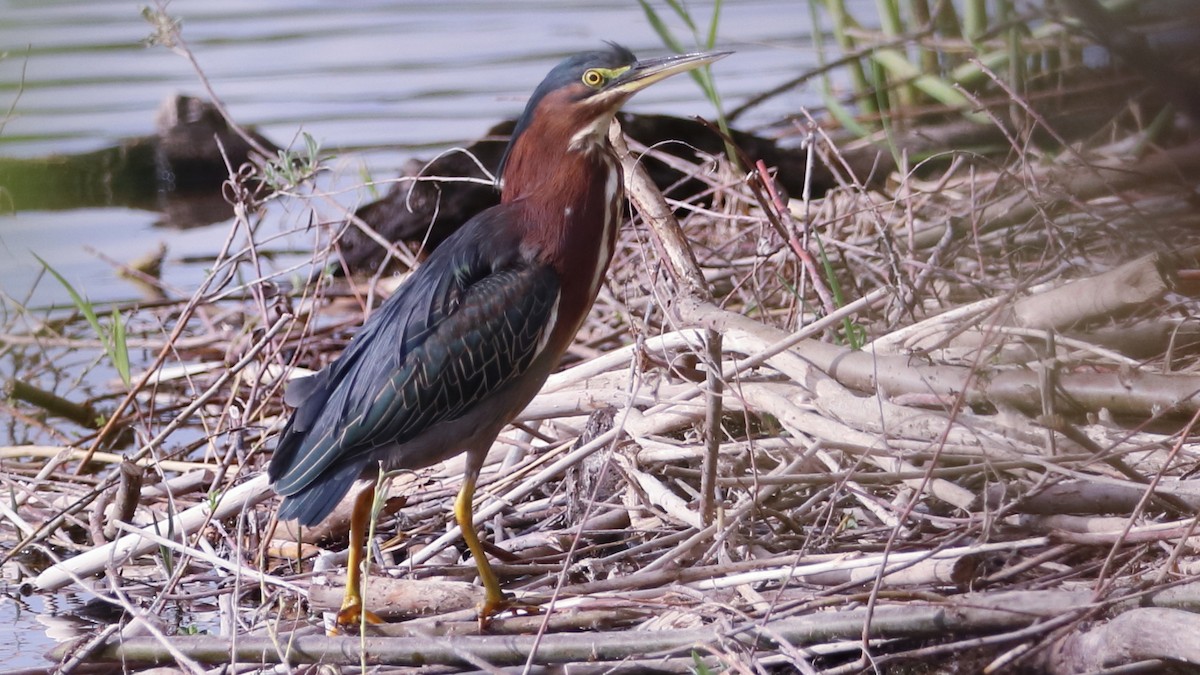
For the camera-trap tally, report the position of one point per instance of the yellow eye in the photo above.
(593, 77)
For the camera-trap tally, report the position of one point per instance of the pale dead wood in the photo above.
(1106, 295)
(1166, 635)
(400, 598)
(233, 502)
(971, 612)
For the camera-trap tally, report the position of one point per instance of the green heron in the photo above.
(468, 340)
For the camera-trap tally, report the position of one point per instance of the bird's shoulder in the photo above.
(485, 255)
(465, 324)
(481, 275)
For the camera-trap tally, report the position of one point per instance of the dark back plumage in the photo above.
(467, 322)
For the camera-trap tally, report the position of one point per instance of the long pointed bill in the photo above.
(645, 73)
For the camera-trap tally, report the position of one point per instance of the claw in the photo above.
(495, 606)
(351, 616)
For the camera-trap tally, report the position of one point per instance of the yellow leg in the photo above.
(495, 600)
(353, 612)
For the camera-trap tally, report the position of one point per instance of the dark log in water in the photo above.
(178, 170)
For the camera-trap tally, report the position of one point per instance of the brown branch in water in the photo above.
(83, 415)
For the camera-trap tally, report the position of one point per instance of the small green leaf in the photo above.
(118, 349)
(113, 337)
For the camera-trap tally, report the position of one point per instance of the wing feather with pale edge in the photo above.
(468, 322)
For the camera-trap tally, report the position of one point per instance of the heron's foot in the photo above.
(493, 606)
(351, 616)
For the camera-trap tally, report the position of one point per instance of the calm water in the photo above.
(373, 82)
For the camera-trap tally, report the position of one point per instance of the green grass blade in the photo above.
(660, 27)
(113, 337)
(701, 76)
(899, 67)
(118, 349)
(843, 23)
(682, 12)
(975, 19)
(843, 115)
(81, 303)
(711, 40)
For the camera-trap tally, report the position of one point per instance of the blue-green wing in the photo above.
(468, 322)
